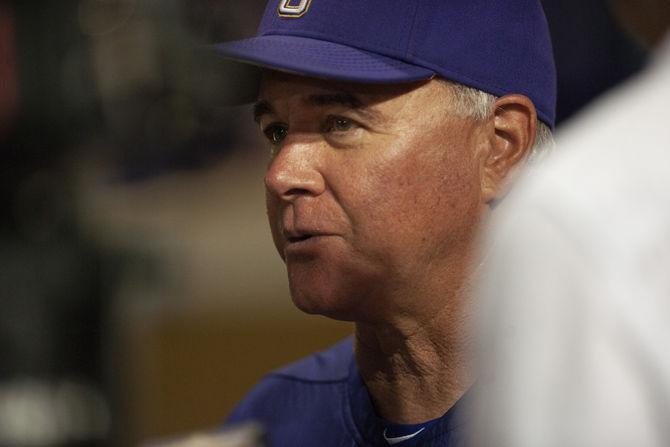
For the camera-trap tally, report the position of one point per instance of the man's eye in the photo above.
(275, 133)
(338, 124)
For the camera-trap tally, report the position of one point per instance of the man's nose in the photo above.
(294, 172)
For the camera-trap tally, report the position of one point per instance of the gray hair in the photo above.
(469, 102)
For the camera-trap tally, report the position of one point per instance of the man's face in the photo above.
(373, 192)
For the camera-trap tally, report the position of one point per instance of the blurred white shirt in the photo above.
(576, 288)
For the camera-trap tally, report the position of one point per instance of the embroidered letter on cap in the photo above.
(286, 9)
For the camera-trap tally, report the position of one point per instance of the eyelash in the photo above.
(333, 120)
(276, 132)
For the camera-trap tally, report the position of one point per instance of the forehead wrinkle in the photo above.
(342, 99)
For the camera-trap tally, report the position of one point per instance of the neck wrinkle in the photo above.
(415, 375)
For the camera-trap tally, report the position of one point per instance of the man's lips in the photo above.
(296, 239)
(299, 236)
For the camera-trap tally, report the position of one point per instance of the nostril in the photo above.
(296, 192)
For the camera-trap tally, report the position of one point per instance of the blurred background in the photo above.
(140, 293)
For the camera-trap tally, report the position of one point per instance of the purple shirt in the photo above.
(321, 401)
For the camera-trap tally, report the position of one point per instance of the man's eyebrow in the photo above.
(261, 108)
(343, 99)
(347, 100)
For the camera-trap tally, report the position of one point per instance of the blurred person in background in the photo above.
(576, 291)
(52, 302)
(78, 78)
(384, 164)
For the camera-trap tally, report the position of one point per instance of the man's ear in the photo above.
(514, 126)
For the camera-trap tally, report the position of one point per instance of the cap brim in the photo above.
(316, 58)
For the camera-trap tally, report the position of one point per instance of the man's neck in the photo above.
(415, 375)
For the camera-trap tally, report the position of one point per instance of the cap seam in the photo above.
(410, 41)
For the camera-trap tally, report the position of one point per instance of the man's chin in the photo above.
(326, 304)
(324, 285)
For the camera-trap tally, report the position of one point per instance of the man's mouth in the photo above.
(294, 239)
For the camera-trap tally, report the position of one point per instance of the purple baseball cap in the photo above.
(498, 46)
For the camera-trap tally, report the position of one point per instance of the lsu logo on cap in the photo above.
(293, 8)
